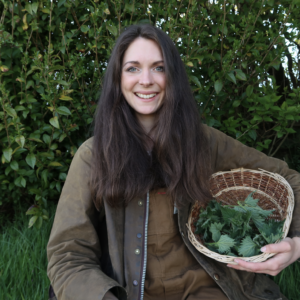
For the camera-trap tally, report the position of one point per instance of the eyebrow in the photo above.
(135, 62)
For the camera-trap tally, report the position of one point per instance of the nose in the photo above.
(146, 78)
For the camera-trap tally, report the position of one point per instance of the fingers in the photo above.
(284, 256)
(271, 267)
(283, 246)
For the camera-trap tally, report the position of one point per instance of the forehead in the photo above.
(143, 51)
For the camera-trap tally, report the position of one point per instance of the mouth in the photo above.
(145, 96)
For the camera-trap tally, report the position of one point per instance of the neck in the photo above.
(146, 122)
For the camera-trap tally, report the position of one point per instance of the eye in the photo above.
(131, 69)
(159, 69)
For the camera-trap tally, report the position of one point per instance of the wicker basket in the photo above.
(272, 190)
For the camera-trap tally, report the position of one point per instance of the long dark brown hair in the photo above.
(180, 158)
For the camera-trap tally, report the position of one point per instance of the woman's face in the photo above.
(143, 79)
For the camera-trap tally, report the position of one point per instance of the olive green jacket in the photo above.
(91, 252)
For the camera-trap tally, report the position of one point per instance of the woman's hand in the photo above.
(288, 251)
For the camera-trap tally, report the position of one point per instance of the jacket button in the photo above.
(139, 235)
(182, 233)
(216, 276)
(140, 203)
(137, 251)
(135, 283)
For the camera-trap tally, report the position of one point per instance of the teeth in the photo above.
(146, 96)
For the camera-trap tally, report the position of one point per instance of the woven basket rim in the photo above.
(261, 257)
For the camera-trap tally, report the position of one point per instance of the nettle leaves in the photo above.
(237, 230)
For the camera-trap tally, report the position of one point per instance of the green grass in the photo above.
(23, 263)
(23, 260)
(289, 281)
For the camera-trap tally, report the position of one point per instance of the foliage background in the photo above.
(54, 54)
(242, 58)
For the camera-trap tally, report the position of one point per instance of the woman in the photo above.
(119, 230)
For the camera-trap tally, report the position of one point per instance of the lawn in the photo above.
(23, 260)
(23, 263)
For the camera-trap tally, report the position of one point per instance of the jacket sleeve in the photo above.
(228, 153)
(73, 249)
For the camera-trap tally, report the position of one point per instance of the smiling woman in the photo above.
(120, 226)
(143, 80)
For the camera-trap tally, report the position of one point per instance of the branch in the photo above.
(224, 9)
(282, 140)
(290, 68)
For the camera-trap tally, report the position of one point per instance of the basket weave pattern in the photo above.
(272, 190)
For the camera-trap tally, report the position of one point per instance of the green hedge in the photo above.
(54, 55)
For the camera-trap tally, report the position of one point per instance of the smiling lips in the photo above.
(146, 96)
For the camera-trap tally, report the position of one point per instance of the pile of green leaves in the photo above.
(237, 230)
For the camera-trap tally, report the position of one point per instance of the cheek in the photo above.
(161, 80)
(127, 83)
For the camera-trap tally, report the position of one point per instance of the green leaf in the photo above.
(227, 214)
(62, 110)
(73, 150)
(29, 84)
(20, 181)
(272, 231)
(58, 186)
(23, 182)
(28, 7)
(224, 244)
(7, 170)
(36, 140)
(31, 160)
(32, 210)
(249, 90)
(231, 77)
(19, 108)
(45, 176)
(196, 81)
(14, 165)
(61, 138)
(61, 2)
(65, 98)
(236, 103)
(39, 222)
(62, 176)
(84, 28)
(7, 154)
(32, 221)
(20, 140)
(252, 134)
(218, 86)
(215, 229)
(55, 164)
(112, 29)
(248, 247)
(268, 119)
(54, 122)
(34, 6)
(10, 111)
(46, 10)
(257, 118)
(250, 201)
(62, 82)
(240, 75)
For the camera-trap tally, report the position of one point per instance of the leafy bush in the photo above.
(54, 55)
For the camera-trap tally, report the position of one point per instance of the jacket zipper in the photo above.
(144, 259)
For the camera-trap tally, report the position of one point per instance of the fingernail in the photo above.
(263, 249)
